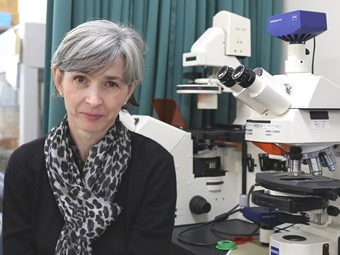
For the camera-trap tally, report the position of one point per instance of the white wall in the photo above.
(32, 10)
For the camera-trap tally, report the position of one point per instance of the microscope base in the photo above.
(302, 243)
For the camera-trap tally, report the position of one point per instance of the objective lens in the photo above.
(288, 163)
(244, 76)
(295, 167)
(295, 157)
(315, 166)
(328, 160)
(224, 75)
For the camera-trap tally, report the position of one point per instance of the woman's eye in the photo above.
(80, 79)
(111, 84)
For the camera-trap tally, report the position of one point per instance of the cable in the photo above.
(249, 193)
(251, 189)
(282, 229)
(225, 216)
(213, 229)
(181, 239)
(313, 56)
(218, 218)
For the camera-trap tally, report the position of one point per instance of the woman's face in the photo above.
(93, 101)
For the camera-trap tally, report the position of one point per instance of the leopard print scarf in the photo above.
(86, 194)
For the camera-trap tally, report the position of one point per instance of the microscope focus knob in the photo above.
(199, 205)
(333, 211)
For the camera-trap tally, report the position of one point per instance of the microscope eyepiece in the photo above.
(244, 76)
(224, 76)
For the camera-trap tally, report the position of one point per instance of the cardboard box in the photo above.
(9, 6)
(15, 18)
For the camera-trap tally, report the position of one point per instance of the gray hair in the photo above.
(94, 45)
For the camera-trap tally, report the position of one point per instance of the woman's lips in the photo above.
(91, 116)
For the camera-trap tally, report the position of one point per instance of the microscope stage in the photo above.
(291, 204)
(302, 184)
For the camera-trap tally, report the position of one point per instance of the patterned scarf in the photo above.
(86, 194)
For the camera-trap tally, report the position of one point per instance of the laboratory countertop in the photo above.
(199, 239)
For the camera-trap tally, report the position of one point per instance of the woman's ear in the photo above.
(57, 78)
(132, 88)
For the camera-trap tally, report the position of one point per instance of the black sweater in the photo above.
(32, 221)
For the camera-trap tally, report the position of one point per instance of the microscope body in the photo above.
(305, 126)
(299, 120)
(310, 122)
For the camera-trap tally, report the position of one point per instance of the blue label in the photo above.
(274, 250)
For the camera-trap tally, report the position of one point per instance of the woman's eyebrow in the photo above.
(113, 77)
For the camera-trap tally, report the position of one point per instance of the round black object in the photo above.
(198, 205)
(244, 76)
(294, 238)
(224, 76)
(333, 211)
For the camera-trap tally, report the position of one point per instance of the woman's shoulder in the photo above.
(32, 150)
(142, 142)
(26, 162)
(150, 160)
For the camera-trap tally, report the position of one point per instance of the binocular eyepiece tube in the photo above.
(262, 88)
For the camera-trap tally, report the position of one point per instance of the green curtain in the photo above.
(170, 27)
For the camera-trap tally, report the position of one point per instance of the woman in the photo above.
(91, 186)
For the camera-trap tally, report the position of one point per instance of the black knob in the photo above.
(198, 205)
(333, 211)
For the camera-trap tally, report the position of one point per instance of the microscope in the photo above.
(299, 121)
(227, 41)
(211, 180)
(204, 184)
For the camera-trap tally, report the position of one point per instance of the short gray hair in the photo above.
(95, 45)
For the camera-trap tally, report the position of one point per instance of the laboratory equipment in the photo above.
(302, 109)
(203, 189)
(222, 44)
(207, 185)
(204, 181)
(300, 124)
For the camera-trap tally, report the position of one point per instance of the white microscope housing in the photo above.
(222, 44)
(301, 124)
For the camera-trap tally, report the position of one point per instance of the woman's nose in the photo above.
(93, 97)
